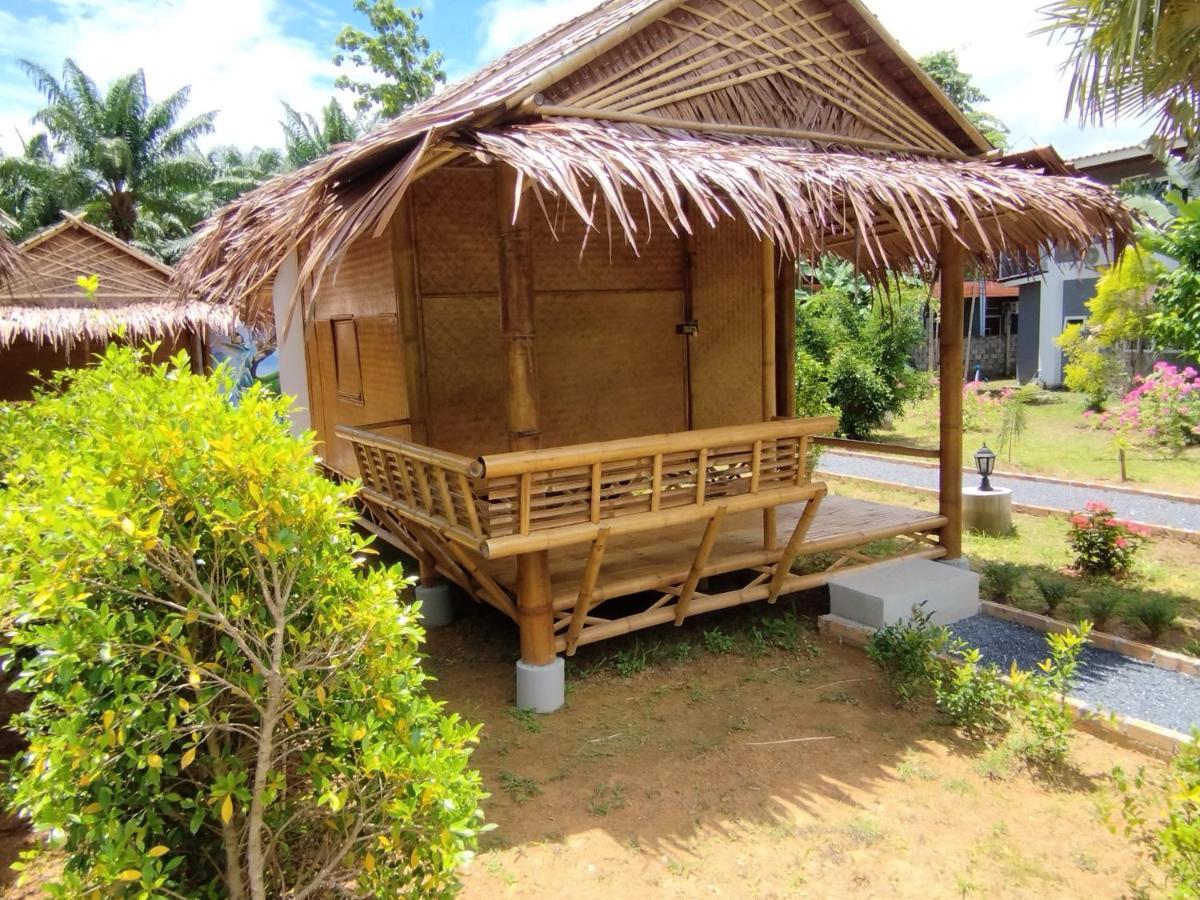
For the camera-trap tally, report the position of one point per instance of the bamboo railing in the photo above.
(525, 501)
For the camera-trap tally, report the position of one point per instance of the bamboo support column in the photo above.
(785, 338)
(950, 393)
(769, 410)
(535, 610)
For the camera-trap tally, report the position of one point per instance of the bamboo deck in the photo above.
(639, 562)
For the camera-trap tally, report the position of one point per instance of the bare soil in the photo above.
(753, 772)
(764, 774)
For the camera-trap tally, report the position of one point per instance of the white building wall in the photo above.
(289, 336)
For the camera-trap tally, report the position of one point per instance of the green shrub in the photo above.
(1154, 612)
(1053, 591)
(1102, 543)
(1040, 718)
(999, 581)
(1101, 604)
(1172, 837)
(225, 701)
(973, 696)
(907, 654)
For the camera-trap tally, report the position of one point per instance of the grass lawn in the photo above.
(699, 761)
(1166, 567)
(1057, 442)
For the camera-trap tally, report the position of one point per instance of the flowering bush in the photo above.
(980, 407)
(1103, 544)
(1162, 411)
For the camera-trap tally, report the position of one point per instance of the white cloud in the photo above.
(235, 54)
(1018, 70)
(508, 23)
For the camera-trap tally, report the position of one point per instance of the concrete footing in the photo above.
(988, 512)
(884, 594)
(959, 562)
(541, 688)
(437, 608)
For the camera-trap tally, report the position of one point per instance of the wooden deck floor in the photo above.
(644, 561)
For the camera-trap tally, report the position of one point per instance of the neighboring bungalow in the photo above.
(1055, 294)
(47, 321)
(546, 316)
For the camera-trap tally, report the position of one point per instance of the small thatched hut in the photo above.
(547, 316)
(47, 322)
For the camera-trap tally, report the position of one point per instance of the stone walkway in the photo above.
(1053, 495)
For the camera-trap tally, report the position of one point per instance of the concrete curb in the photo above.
(1021, 476)
(1107, 726)
(1179, 534)
(1147, 653)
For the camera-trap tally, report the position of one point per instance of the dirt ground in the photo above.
(702, 761)
(762, 773)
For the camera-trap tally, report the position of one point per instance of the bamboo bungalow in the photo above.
(547, 315)
(47, 322)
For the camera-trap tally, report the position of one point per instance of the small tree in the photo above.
(225, 701)
(397, 52)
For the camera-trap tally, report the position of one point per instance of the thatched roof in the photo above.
(41, 301)
(802, 116)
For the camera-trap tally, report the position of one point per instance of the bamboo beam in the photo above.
(873, 447)
(408, 303)
(785, 338)
(583, 603)
(950, 393)
(701, 560)
(767, 309)
(817, 137)
(783, 568)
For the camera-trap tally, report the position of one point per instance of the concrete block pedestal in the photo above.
(541, 688)
(988, 512)
(437, 610)
(884, 594)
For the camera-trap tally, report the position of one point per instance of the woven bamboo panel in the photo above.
(609, 365)
(465, 372)
(384, 395)
(564, 262)
(363, 285)
(23, 356)
(726, 356)
(455, 216)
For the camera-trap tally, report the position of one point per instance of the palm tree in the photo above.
(235, 171)
(1139, 57)
(306, 139)
(137, 161)
(34, 190)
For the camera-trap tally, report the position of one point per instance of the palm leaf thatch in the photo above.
(41, 301)
(803, 117)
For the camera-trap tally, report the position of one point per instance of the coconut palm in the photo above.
(135, 159)
(1139, 57)
(305, 138)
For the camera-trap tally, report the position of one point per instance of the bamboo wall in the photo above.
(610, 362)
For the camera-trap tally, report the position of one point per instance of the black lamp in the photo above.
(985, 462)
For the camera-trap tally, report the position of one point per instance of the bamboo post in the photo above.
(785, 338)
(535, 609)
(769, 409)
(950, 394)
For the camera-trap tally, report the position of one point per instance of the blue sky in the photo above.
(242, 57)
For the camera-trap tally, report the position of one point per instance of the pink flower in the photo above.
(1079, 521)
(1096, 506)
(1122, 543)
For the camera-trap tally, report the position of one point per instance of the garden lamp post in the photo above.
(985, 462)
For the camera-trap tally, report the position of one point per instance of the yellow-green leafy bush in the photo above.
(225, 701)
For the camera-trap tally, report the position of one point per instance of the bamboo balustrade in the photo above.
(520, 502)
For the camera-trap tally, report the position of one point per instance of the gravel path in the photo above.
(1138, 507)
(1107, 681)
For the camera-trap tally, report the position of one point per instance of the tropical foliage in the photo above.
(306, 138)
(1133, 57)
(1102, 543)
(854, 349)
(1161, 411)
(129, 162)
(943, 67)
(225, 700)
(406, 69)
